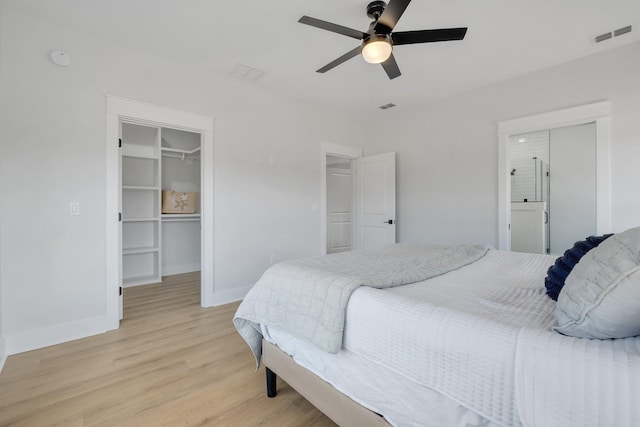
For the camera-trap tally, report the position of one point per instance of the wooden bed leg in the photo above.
(271, 383)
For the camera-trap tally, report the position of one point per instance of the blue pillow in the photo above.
(558, 272)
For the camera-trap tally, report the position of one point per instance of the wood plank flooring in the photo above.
(171, 363)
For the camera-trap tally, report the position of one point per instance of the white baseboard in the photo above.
(179, 269)
(3, 353)
(56, 334)
(229, 295)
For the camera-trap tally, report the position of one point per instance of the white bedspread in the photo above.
(402, 402)
(481, 336)
(457, 333)
(574, 382)
(308, 297)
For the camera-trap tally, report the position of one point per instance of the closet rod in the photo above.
(178, 150)
(180, 156)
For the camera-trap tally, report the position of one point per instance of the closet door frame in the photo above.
(132, 111)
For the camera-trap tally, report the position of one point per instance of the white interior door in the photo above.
(375, 201)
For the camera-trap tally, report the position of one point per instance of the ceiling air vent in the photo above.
(389, 105)
(603, 37)
(611, 34)
(623, 30)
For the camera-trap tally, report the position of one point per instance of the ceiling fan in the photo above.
(378, 41)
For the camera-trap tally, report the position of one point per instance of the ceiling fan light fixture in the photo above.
(377, 42)
(377, 49)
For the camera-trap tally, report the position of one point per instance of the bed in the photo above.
(424, 335)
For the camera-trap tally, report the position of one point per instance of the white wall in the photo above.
(181, 251)
(3, 352)
(52, 152)
(447, 152)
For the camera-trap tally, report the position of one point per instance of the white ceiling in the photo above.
(506, 38)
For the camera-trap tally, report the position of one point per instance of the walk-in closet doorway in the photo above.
(151, 148)
(159, 201)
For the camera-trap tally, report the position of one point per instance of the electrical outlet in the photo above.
(74, 208)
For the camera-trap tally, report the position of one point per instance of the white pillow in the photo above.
(601, 296)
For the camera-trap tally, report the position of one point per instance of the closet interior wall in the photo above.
(181, 171)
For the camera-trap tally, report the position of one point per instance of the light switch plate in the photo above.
(74, 208)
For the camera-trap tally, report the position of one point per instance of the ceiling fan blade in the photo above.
(389, 18)
(343, 58)
(428, 36)
(391, 67)
(329, 26)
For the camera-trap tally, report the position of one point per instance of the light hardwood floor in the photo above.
(171, 363)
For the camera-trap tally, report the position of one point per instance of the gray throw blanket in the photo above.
(308, 297)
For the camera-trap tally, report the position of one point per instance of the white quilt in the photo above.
(576, 382)
(481, 335)
(457, 333)
(308, 297)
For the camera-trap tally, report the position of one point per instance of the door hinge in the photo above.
(120, 290)
(119, 216)
(119, 142)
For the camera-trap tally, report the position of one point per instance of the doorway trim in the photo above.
(328, 148)
(118, 109)
(598, 113)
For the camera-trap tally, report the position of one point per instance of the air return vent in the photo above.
(611, 34)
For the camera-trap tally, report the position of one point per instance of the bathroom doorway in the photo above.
(583, 186)
(553, 181)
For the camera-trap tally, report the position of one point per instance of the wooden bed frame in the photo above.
(340, 408)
